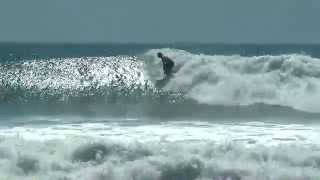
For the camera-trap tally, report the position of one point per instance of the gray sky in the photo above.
(228, 21)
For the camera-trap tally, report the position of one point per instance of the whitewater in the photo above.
(221, 116)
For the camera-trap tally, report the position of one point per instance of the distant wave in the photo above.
(201, 82)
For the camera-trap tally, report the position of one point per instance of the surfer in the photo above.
(167, 64)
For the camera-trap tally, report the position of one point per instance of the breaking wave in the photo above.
(286, 80)
(123, 84)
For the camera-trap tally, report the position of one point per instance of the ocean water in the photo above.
(93, 112)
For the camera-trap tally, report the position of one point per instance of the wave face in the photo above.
(69, 77)
(204, 83)
(113, 85)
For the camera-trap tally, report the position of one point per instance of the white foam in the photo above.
(252, 133)
(173, 150)
(286, 80)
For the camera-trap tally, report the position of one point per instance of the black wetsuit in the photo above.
(167, 65)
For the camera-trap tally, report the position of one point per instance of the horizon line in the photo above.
(157, 43)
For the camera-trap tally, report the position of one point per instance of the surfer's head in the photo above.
(160, 55)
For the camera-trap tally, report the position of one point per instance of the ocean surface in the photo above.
(93, 112)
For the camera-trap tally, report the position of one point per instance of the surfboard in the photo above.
(163, 82)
